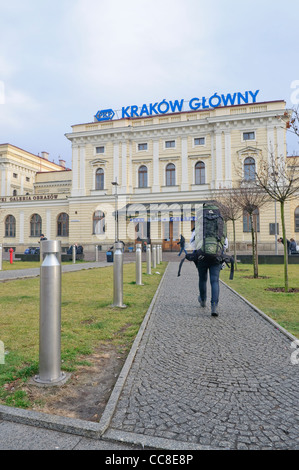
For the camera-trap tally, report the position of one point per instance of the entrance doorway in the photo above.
(170, 236)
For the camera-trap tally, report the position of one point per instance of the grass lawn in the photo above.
(281, 307)
(6, 266)
(87, 319)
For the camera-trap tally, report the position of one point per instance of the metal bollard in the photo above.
(148, 260)
(1, 256)
(157, 255)
(154, 256)
(97, 253)
(160, 253)
(138, 265)
(118, 276)
(50, 316)
(74, 253)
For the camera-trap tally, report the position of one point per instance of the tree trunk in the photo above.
(235, 250)
(255, 268)
(285, 248)
(255, 245)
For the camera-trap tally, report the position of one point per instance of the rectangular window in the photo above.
(272, 229)
(27, 179)
(142, 146)
(170, 144)
(15, 175)
(248, 135)
(100, 149)
(199, 141)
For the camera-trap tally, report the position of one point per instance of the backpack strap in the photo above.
(180, 266)
(230, 262)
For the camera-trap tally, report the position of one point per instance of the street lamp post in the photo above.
(115, 183)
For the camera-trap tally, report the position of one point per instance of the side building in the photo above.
(142, 177)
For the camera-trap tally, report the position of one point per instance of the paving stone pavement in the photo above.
(219, 383)
(191, 381)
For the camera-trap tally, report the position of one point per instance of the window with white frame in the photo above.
(100, 149)
(200, 173)
(10, 226)
(63, 225)
(249, 169)
(170, 174)
(199, 141)
(142, 176)
(35, 225)
(99, 179)
(249, 135)
(142, 146)
(169, 144)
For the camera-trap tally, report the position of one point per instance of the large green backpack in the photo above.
(210, 235)
(213, 230)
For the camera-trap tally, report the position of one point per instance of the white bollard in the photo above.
(154, 256)
(118, 276)
(148, 260)
(138, 265)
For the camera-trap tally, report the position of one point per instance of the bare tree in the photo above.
(291, 120)
(250, 199)
(279, 178)
(227, 200)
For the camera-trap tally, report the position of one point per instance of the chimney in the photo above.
(62, 162)
(45, 155)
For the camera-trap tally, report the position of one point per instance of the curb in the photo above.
(78, 426)
(260, 312)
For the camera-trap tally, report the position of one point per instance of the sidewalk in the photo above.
(191, 381)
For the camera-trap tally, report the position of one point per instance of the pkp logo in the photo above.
(105, 115)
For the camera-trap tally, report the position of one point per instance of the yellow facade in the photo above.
(185, 157)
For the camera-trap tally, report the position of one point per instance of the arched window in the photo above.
(100, 178)
(14, 193)
(246, 220)
(249, 169)
(200, 171)
(297, 219)
(35, 225)
(142, 176)
(10, 226)
(170, 174)
(63, 225)
(98, 223)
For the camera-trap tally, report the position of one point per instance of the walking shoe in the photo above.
(214, 310)
(202, 302)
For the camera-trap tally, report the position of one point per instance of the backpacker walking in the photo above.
(210, 243)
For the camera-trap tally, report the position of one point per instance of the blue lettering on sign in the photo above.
(105, 115)
(164, 107)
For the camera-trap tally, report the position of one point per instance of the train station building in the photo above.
(140, 174)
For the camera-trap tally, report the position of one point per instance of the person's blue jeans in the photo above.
(214, 271)
(181, 251)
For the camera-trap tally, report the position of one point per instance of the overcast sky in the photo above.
(63, 60)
